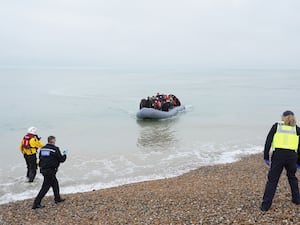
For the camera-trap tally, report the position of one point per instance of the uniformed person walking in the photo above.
(50, 158)
(284, 139)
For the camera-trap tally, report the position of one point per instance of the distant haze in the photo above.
(152, 33)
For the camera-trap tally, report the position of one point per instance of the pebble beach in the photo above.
(220, 194)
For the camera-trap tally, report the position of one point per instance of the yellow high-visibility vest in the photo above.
(285, 137)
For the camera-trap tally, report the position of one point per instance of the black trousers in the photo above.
(281, 159)
(31, 166)
(49, 181)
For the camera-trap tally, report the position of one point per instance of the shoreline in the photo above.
(228, 193)
(95, 186)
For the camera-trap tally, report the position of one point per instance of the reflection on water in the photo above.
(157, 135)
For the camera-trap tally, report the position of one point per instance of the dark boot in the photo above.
(37, 206)
(59, 200)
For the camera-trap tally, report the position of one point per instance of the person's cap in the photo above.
(288, 113)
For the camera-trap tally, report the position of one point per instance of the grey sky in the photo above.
(190, 33)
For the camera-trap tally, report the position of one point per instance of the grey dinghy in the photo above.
(151, 113)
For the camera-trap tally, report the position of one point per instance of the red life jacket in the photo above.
(26, 141)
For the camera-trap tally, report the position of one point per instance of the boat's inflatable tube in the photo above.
(150, 113)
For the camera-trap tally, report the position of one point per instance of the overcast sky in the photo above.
(174, 33)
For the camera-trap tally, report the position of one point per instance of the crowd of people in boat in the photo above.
(161, 102)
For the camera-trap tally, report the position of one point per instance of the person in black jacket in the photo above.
(284, 139)
(50, 158)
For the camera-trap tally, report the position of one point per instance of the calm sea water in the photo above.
(92, 114)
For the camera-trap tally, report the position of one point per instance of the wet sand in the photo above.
(221, 194)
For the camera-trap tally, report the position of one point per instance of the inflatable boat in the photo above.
(151, 113)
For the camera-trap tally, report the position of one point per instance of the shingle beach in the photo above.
(220, 194)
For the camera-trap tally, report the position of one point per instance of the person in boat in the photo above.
(175, 100)
(146, 103)
(29, 145)
(157, 104)
(160, 96)
(142, 103)
(166, 106)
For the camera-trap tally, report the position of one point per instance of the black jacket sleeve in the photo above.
(61, 158)
(269, 140)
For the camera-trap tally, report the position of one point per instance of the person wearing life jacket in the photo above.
(29, 145)
(284, 139)
(157, 104)
(175, 100)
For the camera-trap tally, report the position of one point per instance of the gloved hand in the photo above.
(37, 137)
(298, 166)
(267, 162)
(65, 152)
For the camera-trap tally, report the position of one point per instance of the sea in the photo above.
(92, 113)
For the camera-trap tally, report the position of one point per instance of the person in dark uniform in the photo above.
(50, 158)
(284, 139)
